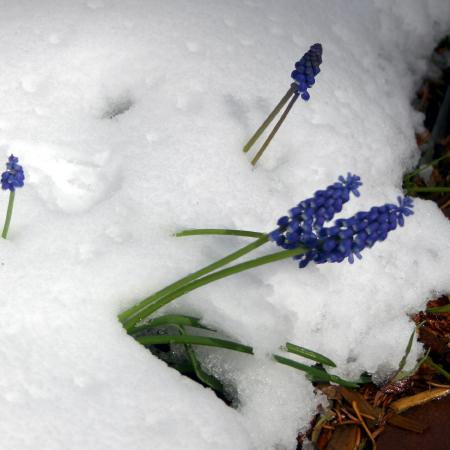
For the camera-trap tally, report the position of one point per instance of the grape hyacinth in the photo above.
(302, 235)
(12, 179)
(306, 69)
(346, 238)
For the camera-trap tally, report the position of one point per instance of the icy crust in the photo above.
(128, 118)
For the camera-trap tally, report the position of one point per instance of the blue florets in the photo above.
(309, 216)
(306, 70)
(347, 237)
(13, 177)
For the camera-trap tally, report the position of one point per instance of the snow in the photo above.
(129, 118)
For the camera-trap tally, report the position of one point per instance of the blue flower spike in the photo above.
(345, 238)
(307, 69)
(12, 179)
(304, 76)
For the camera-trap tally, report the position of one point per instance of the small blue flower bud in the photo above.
(308, 65)
(13, 177)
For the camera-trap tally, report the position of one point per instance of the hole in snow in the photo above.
(160, 337)
(117, 107)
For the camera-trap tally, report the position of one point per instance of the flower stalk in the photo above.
(270, 118)
(8, 214)
(275, 129)
(304, 75)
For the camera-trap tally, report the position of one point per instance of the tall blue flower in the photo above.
(306, 70)
(346, 238)
(13, 177)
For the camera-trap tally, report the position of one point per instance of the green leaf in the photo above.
(194, 340)
(364, 378)
(159, 301)
(314, 373)
(310, 354)
(437, 367)
(410, 175)
(131, 316)
(428, 189)
(439, 309)
(219, 231)
(408, 373)
(401, 374)
(407, 351)
(170, 319)
(204, 377)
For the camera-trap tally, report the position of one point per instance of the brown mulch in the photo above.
(374, 416)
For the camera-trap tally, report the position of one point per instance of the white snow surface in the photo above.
(129, 118)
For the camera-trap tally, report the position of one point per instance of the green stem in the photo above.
(315, 373)
(219, 231)
(275, 129)
(310, 354)
(151, 308)
(127, 314)
(425, 166)
(439, 309)
(437, 367)
(194, 340)
(8, 214)
(270, 117)
(428, 189)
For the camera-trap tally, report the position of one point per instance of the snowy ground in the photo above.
(91, 231)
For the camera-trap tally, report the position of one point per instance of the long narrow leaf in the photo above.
(219, 231)
(171, 319)
(204, 377)
(428, 189)
(194, 340)
(309, 354)
(437, 367)
(172, 295)
(401, 374)
(314, 373)
(425, 166)
(407, 351)
(126, 315)
(439, 309)
(408, 373)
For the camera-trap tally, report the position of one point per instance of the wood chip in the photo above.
(344, 438)
(363, 405)
(405, 403)
(407, 424)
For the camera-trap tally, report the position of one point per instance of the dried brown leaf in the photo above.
(344, 438)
